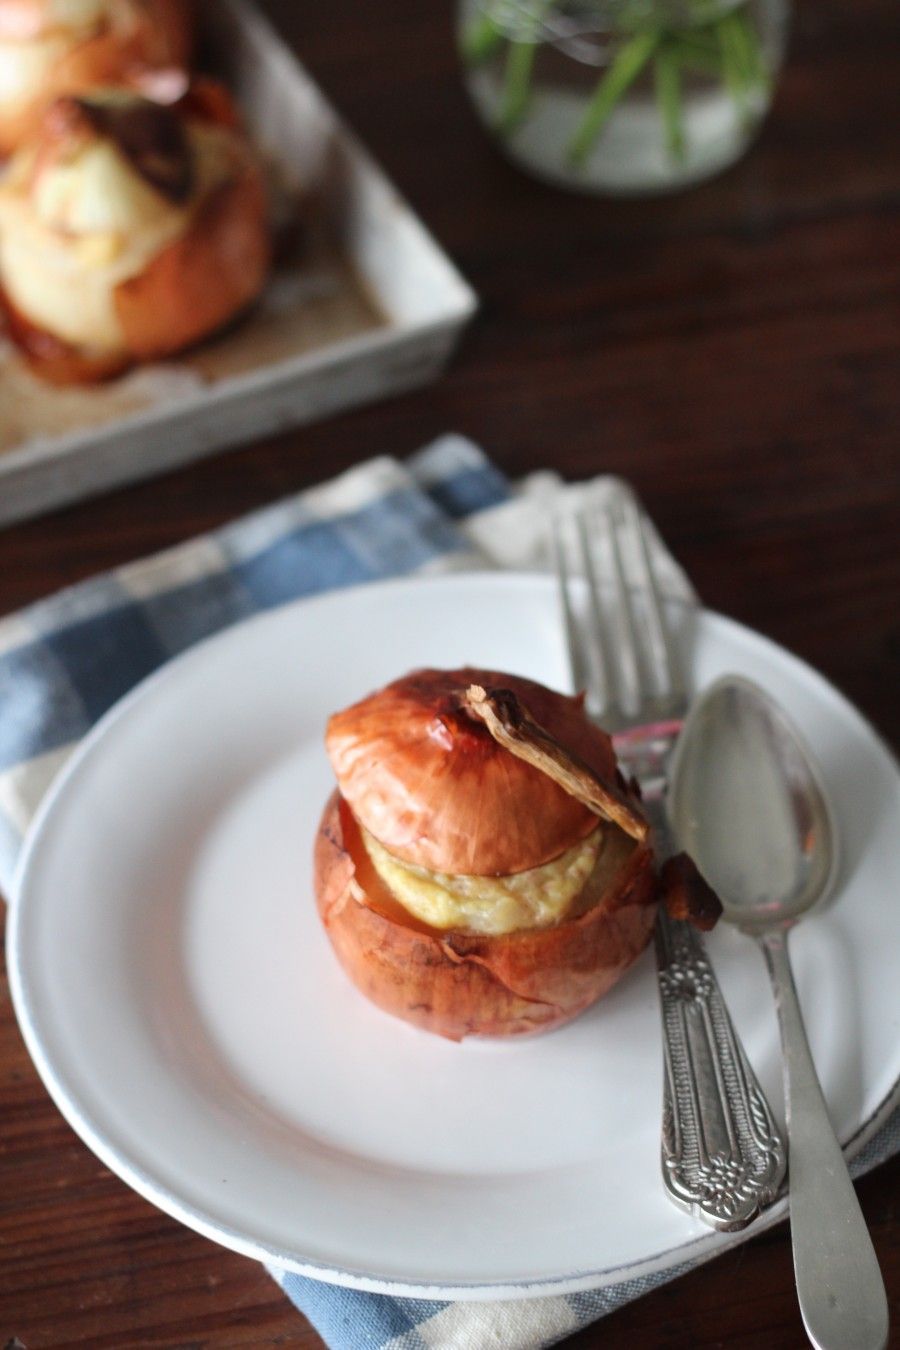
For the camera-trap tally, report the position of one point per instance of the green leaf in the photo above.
(630, 60)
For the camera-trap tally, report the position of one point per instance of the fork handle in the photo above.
(723, 1158)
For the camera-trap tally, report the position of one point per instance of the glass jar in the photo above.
(623, 96)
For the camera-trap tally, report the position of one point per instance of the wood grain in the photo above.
(734, 351)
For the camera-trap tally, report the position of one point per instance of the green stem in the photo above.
(519, 63)
(703, 41)
(516, 85)
(630, 60)
(746, 40)
(701, 13)
(734, 74)
(667, 71)
(481, 40)
(694, 56)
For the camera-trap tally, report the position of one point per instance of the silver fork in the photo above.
(723, 1158)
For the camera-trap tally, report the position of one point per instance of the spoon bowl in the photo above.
(747, 802)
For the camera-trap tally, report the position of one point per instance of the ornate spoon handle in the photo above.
(723, 1158)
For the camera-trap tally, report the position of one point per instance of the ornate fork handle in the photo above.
(723, 1158)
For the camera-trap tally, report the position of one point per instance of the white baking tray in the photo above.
(369, 308)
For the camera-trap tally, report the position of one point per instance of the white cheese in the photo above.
(97, 191)
(536, 898)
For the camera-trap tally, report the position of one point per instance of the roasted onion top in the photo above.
(427, 777)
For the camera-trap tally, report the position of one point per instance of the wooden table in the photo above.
(734, 352)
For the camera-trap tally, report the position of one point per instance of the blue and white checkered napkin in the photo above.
(66, 660)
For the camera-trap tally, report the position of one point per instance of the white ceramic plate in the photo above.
(187, 1015)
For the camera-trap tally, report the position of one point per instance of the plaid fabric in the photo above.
(66, 660)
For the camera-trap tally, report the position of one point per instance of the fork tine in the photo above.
(625, 657)
(581, 675)
(627, 644)
(604, 686)
(666, 661)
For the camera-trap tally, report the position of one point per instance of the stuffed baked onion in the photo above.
(54, 47)
(483, 867)
(130, 229)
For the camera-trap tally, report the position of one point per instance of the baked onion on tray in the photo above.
(483, 867)
(54, 47)
(130, 229)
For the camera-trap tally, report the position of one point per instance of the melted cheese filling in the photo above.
(97, 192)
(87, 225)
(536, 898)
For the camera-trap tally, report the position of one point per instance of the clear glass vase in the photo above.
(623, 96)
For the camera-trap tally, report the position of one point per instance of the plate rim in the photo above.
(697, 1249)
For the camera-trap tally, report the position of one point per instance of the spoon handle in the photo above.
(839, 1284)
(723, 1158)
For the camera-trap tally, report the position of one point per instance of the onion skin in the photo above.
(159, 34)
(429, 781)
(461, 984)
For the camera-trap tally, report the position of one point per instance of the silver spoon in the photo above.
(747, 804)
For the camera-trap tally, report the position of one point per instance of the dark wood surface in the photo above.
(735, 352)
